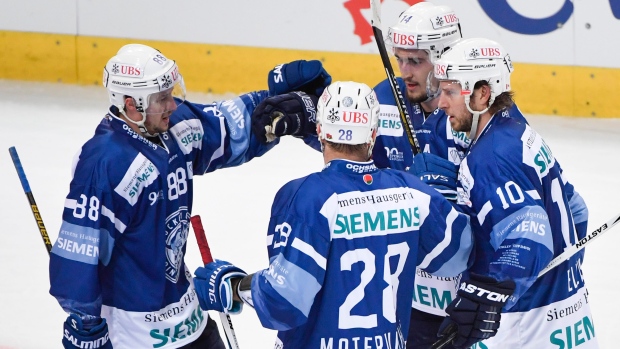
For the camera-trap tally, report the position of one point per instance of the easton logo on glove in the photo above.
(480, 292)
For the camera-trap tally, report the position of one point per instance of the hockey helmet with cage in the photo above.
(425, 26)
(470, 61)
(143, 73)
(348, 113)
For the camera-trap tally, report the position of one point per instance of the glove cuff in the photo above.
(226, 293)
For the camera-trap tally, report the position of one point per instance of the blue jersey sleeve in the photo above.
(447, 241)
(284, 293)
(219, 135)
(92, 220)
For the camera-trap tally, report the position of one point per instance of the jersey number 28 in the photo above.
(345, 319)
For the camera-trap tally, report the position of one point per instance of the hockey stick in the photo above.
(205, 252)
(33, 205)
(580, 245)
(375, 6)
(568, 252)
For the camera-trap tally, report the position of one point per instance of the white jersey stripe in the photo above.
(444, 243)
(534, 194)
(120, 226)
(486, 208)
(308, 250)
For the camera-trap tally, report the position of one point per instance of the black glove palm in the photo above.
(292, 113)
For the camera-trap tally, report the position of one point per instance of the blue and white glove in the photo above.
(437, 172)
(213, 287)
(307, 76)
(475, 313)
(292, 113)
(86, 333)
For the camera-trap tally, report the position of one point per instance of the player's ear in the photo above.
(485, 94)
(130, 104)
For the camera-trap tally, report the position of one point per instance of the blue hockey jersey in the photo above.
(524, 213)
(392, 149)
(120, 250)
(343, 246)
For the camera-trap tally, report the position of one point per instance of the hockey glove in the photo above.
(437, 172)
(307, 76)
(476, 311)
(212, 283)
(292, 113)
(86, 333)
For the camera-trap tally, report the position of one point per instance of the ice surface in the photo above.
(48, 123)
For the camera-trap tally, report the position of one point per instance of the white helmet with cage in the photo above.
(473, 60)
(143, 73)
(425, 26)
(348, 113)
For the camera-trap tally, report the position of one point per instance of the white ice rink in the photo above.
(48, 123)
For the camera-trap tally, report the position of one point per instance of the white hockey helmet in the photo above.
(141, 72)
(473, 60)
(425, 26)
(348, 113)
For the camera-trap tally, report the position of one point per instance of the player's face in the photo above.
(161, 106)
(414, 66)
(452, 101)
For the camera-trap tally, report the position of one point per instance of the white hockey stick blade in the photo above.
(375, 8)
(580, 245)
(229, 331)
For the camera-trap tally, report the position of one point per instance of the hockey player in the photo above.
(523, 210)
(344, 243)
(421, 35)
(118, 262)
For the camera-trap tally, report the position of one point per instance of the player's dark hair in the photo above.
(504, 100)
(353, 149)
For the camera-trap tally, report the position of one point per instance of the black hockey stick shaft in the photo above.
(375, 7)
(205, 252)
(569, 252)
(33, 205)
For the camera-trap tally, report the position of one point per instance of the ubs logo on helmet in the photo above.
(402, 39)
(128, 70)
(354, 117)
(445, 20)
(441, 70)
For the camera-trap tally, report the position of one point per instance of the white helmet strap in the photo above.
(140, 124)
(476, 116)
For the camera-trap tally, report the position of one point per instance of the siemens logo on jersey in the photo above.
(381, 221)
(389, 121)
(140, 174)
